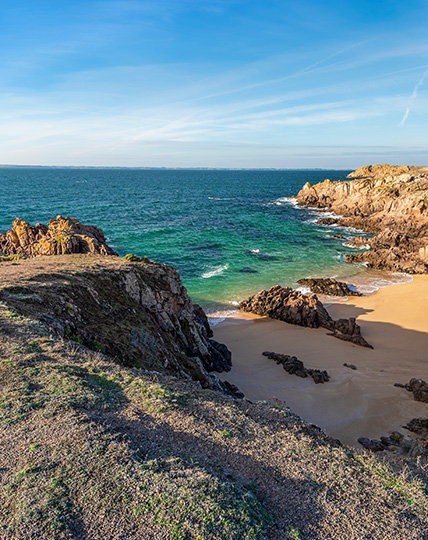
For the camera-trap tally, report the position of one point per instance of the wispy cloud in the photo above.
(413, 97)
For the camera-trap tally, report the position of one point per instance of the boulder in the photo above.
(419, 388)
(288, 305)
(62, 236)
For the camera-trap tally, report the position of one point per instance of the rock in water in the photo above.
(62, 236)
(328, 287)
(288, 305)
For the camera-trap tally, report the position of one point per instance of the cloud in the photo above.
(413, 97)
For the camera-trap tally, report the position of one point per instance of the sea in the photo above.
(229, 233)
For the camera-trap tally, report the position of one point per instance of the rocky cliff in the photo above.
(136, 312)
(389, 201)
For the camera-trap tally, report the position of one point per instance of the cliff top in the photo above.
(385, 170)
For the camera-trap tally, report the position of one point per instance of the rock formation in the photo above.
(328, 287)
(294, 366)
(389, 201)
(62, 236)
(136, 312)
(291, 306)
(418, 387)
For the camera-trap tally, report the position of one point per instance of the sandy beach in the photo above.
(355, 403)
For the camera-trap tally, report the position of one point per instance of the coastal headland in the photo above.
(122, 417)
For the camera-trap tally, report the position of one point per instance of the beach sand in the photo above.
(356, 403)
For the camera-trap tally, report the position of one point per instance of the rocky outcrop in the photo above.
(389, 201)
(418, 425)
(397, 443)
(62, 236)
(136, 312)
(328, 287)
(291, 306)
(294, 366)
(418, 387)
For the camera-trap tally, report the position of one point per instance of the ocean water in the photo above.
(229, 233)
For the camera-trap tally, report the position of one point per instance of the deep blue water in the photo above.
(229, 233)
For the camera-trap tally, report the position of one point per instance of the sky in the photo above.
(214, 83)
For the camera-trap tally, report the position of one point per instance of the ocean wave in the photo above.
(279, 202)
(215, 272)
(217, 317)
(260, 255)
(220, 198)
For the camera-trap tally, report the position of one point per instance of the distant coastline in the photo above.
(8, 166)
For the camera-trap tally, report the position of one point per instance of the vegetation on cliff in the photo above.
(92, 449)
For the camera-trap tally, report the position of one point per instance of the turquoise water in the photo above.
(229, 233)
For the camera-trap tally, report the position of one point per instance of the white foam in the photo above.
(304, 290)
(219, 316)
(353, 246)
(215, 272)
(220, 198)
(369, 285)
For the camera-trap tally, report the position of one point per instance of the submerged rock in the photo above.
(62, 236)
(328, 287)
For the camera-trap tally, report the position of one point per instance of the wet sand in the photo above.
(356, 403)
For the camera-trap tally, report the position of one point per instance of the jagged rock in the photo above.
(293, 365)
(328, 221)
(371, 444)
(328, 287)
(338, 236)
(62, 236)
(389, 201)
(358, 242)
(199, 316)
(221, 357)
(291, 306)
(232, 390)
(349, 330)
(418, 425)
(350, 366)
(397, 444)
(419, 388)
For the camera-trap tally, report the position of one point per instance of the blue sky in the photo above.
(214, 83)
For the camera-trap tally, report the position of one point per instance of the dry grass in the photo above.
(90, 449)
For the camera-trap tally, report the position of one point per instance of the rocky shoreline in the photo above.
(388, 201)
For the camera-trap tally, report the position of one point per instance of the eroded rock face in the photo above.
(293, 365)
(137, 313)
(62, 236)
(389, 201)
(291, 306)
(328, 287)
